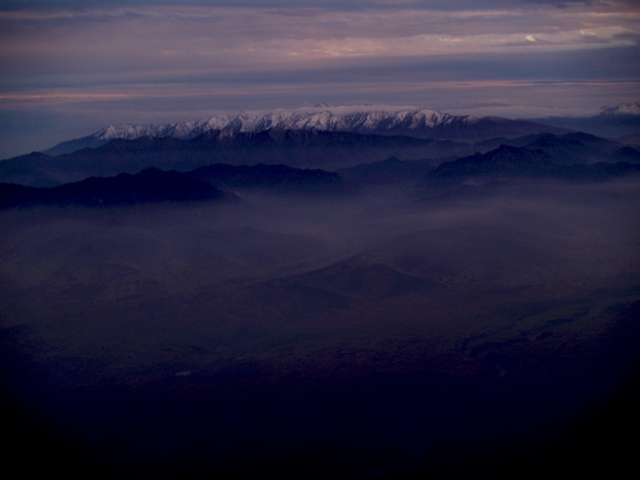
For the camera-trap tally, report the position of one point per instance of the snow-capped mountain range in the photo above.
(359, 119)
(362, 119)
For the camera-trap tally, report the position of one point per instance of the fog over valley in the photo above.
(233, 315)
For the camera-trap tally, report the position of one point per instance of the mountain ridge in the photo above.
(148, 186)
(300, 149)
(367, 120)
(509, 162)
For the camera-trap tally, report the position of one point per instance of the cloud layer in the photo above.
(187, 58)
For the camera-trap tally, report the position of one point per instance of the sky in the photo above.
(69, 68)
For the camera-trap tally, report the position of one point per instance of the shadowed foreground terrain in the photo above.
(361, 337)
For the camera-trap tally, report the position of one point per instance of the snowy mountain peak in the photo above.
(366, 119)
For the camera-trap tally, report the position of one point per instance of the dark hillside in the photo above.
(150, 185)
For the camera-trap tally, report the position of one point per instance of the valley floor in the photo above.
(344, 338)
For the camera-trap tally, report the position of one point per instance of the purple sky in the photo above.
(68, 68)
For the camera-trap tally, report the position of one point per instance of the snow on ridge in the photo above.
(130, 132)
(358, 119)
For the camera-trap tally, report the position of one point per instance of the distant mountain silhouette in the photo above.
(574, 147)
(150, 185)
(391, 170)
(279, 179)
(630, 139)
(509, 162)
(503, 160)
(71, 146)
(205, 183)
(626, 154)
(570, 148)
(300, 149)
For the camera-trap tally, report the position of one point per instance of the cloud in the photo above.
(143, 45)
(447, 5)
(180, 38)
